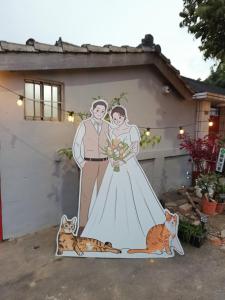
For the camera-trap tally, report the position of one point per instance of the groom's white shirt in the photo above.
(78, 145)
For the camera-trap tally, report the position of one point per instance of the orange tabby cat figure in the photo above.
(67, 241)
(162, 237)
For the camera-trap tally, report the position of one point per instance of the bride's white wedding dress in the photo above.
(126, 206)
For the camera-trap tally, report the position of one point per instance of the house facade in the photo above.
(210, 102)
(38, 186)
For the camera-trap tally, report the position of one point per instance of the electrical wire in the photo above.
(148, 128)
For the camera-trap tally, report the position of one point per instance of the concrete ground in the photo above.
(29, 270)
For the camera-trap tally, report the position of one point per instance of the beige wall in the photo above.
(36, 189)
(203, 115)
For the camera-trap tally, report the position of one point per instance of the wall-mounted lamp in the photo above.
(166, 90)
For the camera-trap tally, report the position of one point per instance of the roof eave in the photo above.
(213, 97)
(43, 61)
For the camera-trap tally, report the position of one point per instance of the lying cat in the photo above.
(162, 237)
(67, 241)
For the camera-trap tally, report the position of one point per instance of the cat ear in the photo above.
(74, 220)
(64, 219)
(168, 215)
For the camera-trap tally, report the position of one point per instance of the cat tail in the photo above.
(138, 251)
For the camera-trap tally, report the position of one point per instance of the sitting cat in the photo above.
(160, 237)
(67, 241)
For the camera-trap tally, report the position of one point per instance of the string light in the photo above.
(147, 132)
(20, 100)
(70, 117)
(210, 123)
(181, 130)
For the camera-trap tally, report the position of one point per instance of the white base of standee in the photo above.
(124, 254)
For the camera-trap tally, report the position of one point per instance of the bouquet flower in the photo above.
(117, 150)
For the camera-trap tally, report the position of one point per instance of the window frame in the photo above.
(60, 104)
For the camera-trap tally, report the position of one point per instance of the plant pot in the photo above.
(198, 241)
(220, 207)
(187, 235)
(209, 207)
(203, 199)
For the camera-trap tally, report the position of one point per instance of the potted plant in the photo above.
(189, 233)
(207, 183)
(203, 152)
(220, 197)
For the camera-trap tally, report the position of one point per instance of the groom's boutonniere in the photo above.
(117, 150)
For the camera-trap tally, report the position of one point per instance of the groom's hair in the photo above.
(100, 102)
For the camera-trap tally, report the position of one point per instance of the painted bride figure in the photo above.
(126, 206)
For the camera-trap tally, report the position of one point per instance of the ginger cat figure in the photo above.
(159, 236)
(68, 241)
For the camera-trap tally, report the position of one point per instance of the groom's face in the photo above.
(99, 112)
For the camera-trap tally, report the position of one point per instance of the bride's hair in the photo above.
(120, 110)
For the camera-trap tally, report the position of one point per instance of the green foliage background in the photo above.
(205, 19)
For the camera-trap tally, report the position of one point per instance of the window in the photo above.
(214, 111)
(47, 104)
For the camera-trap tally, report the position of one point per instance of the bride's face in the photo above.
(118, 119)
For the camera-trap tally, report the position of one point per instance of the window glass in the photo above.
(43, 101)
(29, 104)
(55, 101)
(47, 101)
(37, 96)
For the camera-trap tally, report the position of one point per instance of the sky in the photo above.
(100, 22)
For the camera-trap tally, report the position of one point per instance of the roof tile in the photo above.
(147, 48)
(115, 49)
(93, 48)
(13, 47)
(201, 86)
(67, 47)
(41, 47)
(132, 49)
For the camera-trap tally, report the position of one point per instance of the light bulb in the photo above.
(19, 102)
(71, 116)
(210, 123)
(147, 132)
(181, 131)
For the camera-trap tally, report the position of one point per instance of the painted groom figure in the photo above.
(90, 138)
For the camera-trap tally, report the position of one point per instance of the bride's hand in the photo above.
(111, 162)
(120, 163)
(116, 163)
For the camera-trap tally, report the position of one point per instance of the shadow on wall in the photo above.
(167, 109)
(69, 188)
(180, 168)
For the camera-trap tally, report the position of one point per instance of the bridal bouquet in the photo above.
(117, 150)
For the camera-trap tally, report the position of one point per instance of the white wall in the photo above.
(36, 189)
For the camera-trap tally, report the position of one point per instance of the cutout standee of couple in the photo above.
(119, 214)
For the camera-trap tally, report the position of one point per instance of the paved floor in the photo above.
(29, 270)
